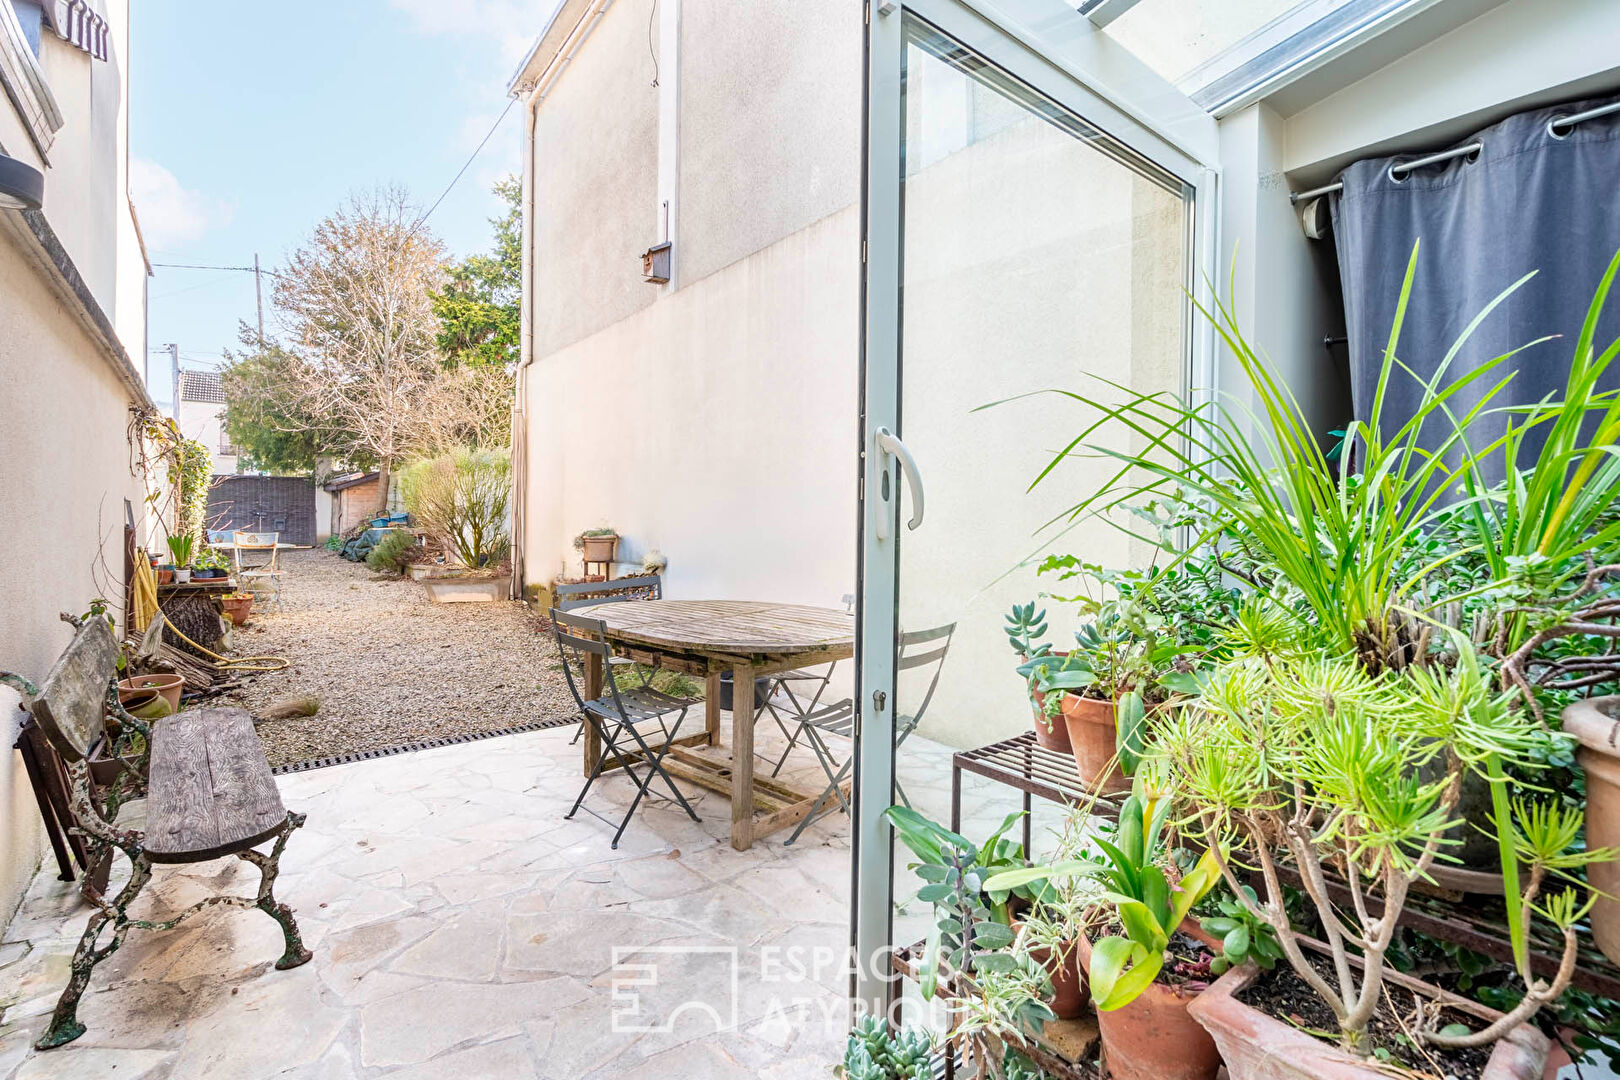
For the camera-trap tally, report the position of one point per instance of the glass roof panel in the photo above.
(1187, 41)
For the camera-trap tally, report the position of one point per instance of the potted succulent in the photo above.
(1319, 765)
(597, 545)
(238, 607)
(1149, 963)
(180, 549)
(1041, 669)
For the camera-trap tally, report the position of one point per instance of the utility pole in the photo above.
(258, 296)
(174, 360)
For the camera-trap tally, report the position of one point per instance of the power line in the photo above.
(210, 266)
(487, 136)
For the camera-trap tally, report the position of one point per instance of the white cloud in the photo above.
(509, 26)
(172, 215)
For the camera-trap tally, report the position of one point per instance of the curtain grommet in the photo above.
(1552, 128)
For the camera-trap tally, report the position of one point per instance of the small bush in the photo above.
(391, 553)
(461, 499)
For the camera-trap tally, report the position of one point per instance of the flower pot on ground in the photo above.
(238, 607)
(1258, 1046)
(139, 687)
(1596, 723)
(467, 589)
(762, 692)
(1093, 739)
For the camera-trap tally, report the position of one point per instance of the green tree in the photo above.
(479, 306)
(263, 413)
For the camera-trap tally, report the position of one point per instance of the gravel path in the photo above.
(390, 666)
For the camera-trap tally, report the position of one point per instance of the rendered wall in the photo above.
(717, 426)
(65, 477)
(770, 120)
(595, 183)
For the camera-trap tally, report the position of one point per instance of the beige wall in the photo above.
(65, 464)
(770, 120)
(205, 422)
(65, 478)
(717, 426)
(596, 182)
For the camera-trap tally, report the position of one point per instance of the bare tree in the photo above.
(467, 406)
(356, 302)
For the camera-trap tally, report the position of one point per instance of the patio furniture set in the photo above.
(615, 634)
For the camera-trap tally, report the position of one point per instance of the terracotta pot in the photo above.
(600, 549)
(135, 689)
(238, 609)
(1596, 723)
(1070, 994)
(1257, 1047)
(164, 577)
(1057, 736)
(1154, 1037)
(1091, 740)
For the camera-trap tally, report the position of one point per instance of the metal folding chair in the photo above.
(812, 683)
(248, 575)
(618, 717)
(920, 649)
(580, 594)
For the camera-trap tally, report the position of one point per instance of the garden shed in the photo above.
(354, 500)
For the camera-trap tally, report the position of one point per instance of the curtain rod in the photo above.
(1553, 127)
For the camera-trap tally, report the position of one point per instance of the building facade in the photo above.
(200, 411)
(72, 317)
(703, 398)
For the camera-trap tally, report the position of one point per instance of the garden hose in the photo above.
(146, 609)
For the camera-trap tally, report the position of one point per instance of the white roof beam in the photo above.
(1103, 12)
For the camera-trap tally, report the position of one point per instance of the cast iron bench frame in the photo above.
(183, 794)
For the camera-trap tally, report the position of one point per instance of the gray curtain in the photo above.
(1527, 201)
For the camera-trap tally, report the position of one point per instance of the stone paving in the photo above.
(461, 928)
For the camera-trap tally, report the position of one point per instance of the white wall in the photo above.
(205, 422)
(717, 426)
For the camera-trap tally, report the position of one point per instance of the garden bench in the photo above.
(209, 794)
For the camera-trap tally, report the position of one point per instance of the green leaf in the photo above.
(1001, 963)
(1236, 942)
(1453, 1031)
(992, 935)
(1218, 926)
(928, 976)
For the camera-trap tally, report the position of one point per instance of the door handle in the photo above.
(890, 446)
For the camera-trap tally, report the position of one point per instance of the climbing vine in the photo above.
(175, 471)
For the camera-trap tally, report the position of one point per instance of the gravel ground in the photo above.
(390, 666)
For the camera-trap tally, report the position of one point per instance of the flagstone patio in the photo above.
(462, 928)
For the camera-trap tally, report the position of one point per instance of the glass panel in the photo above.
(1036, 253)
(1176, 37)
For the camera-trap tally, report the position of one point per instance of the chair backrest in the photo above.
(920, 649)
(255, 539)
(221, 536)
(583, 638)
(247, 542)
(71, 706)
(580, 594)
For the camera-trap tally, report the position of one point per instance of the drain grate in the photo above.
(424, 744)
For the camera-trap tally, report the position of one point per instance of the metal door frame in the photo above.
(1057, 53)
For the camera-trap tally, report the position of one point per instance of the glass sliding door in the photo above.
(1015, 250)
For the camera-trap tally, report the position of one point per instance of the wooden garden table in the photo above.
(706, 638)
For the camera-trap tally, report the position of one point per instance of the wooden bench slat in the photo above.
(211, 792)
(71, 708)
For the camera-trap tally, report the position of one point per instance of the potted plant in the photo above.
(164, 574)
(209, 566)
(597, 545)
(460, 500)
(1058, 918)
(875, 1053)
(180, 549)
(238, 607)
(1319, 765)
(1148, 964)
(1037, 663)
(1596, 723)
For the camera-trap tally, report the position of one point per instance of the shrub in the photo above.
(461, 499)
(390, 554)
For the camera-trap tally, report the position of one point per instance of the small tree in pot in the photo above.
(1316, 765)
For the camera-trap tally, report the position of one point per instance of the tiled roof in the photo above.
(201, 386)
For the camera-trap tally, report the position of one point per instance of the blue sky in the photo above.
(251, 121)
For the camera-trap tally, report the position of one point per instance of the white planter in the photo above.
(182, 577)
(467, 590)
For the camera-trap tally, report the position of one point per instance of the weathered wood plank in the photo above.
(210, 792)
(71, 708)
(726, 626)
(742, 757)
